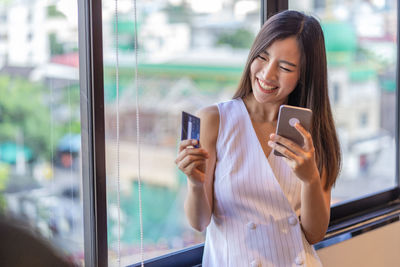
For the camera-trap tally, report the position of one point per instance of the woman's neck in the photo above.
(259, 112)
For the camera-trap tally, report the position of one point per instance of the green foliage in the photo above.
(71, 97)
(23, 112)
(240, 38)
(52, 12)
(3, 204)
(4, 174)
(56, 48)
(179, 13)
(6, 2)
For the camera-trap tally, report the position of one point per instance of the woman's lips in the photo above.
(265, 87)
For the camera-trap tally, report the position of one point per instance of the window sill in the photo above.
(361, 224)
(337, 232)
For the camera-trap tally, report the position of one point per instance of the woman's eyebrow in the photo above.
(282, 61)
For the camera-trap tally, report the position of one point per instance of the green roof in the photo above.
(339, 37)
(208, 78)
(389, 85)
(126, 26)
(362, 74)
(9, 152)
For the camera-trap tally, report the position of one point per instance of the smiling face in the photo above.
(275, 72)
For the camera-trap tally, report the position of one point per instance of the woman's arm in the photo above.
(315, 209)
(315, 201)
(199, 164)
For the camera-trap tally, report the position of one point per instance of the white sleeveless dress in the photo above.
(256, 201)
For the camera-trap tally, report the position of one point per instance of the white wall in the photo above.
(379, 247)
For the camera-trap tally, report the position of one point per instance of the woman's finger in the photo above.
(308, 142)
(287, 143)
(185, 143)
(193, 170)
(191, 151)
(294, 161)
(283, 150)
(186, 161)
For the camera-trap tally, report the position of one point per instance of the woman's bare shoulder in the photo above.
(209, 113)
(209, 122)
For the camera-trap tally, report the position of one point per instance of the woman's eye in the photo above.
(285, 69)
(263, 58)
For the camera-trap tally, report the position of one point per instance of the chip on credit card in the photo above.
(190, 127)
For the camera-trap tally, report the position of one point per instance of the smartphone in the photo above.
(288, 116)
(190, 127)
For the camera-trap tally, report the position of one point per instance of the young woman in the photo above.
(260, 209)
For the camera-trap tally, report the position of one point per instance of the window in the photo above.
(191, 55)
(40, 142)
(371, 86)
(361, 50)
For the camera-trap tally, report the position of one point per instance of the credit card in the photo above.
(190, 127)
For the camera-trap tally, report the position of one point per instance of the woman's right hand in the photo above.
(192, 161)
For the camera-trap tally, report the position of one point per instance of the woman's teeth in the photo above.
(266, 87)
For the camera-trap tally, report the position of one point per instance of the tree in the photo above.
(23, 111)
(180, 13)
(240, 38)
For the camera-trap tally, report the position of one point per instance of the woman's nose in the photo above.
(269, 72)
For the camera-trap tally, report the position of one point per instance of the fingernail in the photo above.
(194, 142)
(270, 143)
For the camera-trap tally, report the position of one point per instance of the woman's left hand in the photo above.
(300, 159)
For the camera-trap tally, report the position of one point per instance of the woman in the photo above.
(260, 209)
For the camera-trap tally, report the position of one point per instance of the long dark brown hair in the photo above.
(312, 88)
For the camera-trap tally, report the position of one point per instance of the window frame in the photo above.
(93, 149)
(91, 79)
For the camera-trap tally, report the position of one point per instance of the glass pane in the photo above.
(191, 54)
(361, 48)
(40, 166)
